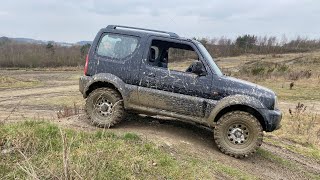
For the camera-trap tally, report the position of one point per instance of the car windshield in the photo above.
(207, 56)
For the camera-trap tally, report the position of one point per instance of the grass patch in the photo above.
(274, 158)
(232, 172)
(308, 150)
(39, 150)
(10, 82)
(302, 89)
(131, 136)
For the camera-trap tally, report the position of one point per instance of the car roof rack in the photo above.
(171, 34)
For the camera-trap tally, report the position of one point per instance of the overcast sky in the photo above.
(75, 20)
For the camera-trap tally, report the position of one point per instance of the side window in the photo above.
(117, 46)
(181, 59)
(172, 56)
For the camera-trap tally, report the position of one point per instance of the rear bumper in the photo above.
(272, 119)
(83, 81)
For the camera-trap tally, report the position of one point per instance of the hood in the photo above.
(232, 86)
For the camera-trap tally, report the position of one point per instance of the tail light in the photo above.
(86, 65)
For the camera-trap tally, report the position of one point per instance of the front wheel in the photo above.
(238, 134)
(104, 107)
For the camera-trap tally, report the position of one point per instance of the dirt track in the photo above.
(19, 104)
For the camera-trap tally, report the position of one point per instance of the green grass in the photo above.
(38, 152)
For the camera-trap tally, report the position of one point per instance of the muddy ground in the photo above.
(56, 90)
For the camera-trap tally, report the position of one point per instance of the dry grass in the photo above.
(303, 89)
(301, 126)
(10, 82)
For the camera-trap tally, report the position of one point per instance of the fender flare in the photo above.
(235, 100)
(106, 78)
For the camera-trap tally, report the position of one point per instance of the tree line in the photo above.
(26, 55)
(251, 44)
(14, 54)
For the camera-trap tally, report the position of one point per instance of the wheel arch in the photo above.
(101, 84)
(238, 103)
(244, 108)
(105, 80)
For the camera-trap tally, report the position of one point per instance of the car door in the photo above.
(171, 90)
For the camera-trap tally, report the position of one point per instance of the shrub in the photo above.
(303, 124)
(264, 69)
(300, 75)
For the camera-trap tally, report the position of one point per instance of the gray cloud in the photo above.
(73, 20)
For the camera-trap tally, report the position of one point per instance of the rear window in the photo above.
(117, 46)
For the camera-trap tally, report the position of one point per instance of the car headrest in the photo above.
(165, 56)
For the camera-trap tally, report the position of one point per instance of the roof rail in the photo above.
(171, 34)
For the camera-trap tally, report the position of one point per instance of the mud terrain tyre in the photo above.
(238, 134)
(104, 107)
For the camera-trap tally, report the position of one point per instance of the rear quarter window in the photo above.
(117, 46)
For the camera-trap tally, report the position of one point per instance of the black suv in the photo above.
(154, 72)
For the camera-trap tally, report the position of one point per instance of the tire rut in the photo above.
(302, 161)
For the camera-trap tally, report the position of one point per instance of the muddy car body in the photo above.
(131, 64)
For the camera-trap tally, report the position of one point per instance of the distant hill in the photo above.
(83, 42)
(28, 40)
(34, 41)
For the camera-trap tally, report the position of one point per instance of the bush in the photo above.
(258, 70)
(300, 75)
(264, 69)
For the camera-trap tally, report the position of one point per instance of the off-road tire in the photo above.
(111, 95)
(249, 123)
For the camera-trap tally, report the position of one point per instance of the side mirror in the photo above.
(197, 68)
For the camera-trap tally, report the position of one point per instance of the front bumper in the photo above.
(272, 119)
(83, 82)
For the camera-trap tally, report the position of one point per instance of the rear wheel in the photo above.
(104, 107)
(238, 134)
